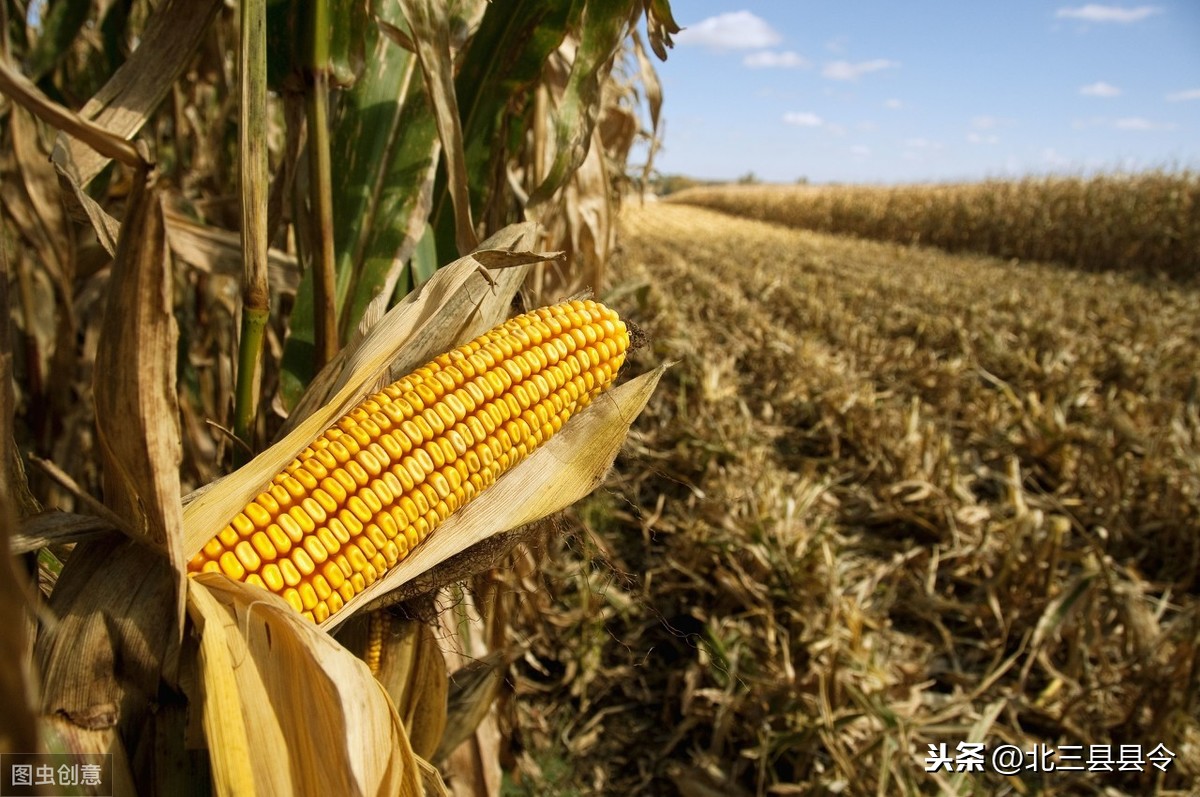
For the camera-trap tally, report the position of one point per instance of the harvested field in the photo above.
(887, 498)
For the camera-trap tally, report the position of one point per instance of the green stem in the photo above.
(253, 180)
(321, 186)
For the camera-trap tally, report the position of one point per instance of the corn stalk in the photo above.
(126, 648)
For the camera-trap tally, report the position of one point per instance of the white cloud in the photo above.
(893, 104)
(986, 122)
(1140, 123)
(1183, 96)
(859, 151)
(736, 30)
(771, 59)
(922, 143)
(844, 70)
(803, 119)
(980, 138)
(1093, 12)
(1132, 123)
(1100, 89)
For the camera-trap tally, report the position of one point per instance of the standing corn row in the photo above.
(372, 487)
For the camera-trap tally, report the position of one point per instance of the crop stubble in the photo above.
(888, 497)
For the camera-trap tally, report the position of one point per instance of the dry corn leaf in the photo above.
(137, 409)
(107, 229)
(41, 186)
(411, 668)
(473, 689)
(217, 251)
(122, 106)
(59, 735)
(603, 29)
(96, 137)
(285, 708)
(473, 766)
(56, 528)
(101, 660)
(16, 696)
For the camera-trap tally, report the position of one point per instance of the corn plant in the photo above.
(217, 221)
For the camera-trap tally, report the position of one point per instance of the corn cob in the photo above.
(368, 490)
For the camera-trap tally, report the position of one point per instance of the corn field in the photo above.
(1146, 223)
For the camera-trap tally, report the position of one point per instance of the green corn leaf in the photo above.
(603, 27)
(504, 60)
(384, 147)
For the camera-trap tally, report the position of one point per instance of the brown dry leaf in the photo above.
(137, 410)
(429, 22)
(58, 735)
(589, 218)
(217, 251)
(96, 137)
(660, 24)
(652, 88)
(56, 528)
(107, 229)
(473, 766)
(131, 95)
(285, 708)
(473, 689)
(101, 660)
(16, 696)
(41, 186)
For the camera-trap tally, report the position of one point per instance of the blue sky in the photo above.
(886, 91)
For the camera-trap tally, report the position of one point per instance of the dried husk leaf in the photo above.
(413, 671)
(564, 469)
(473, 689)
(285, 708)
(457, 303)
(473, 766)
(60, 735)
(431, 780)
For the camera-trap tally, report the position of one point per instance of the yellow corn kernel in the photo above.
(377, 482)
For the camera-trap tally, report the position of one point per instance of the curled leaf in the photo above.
(275, 689)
